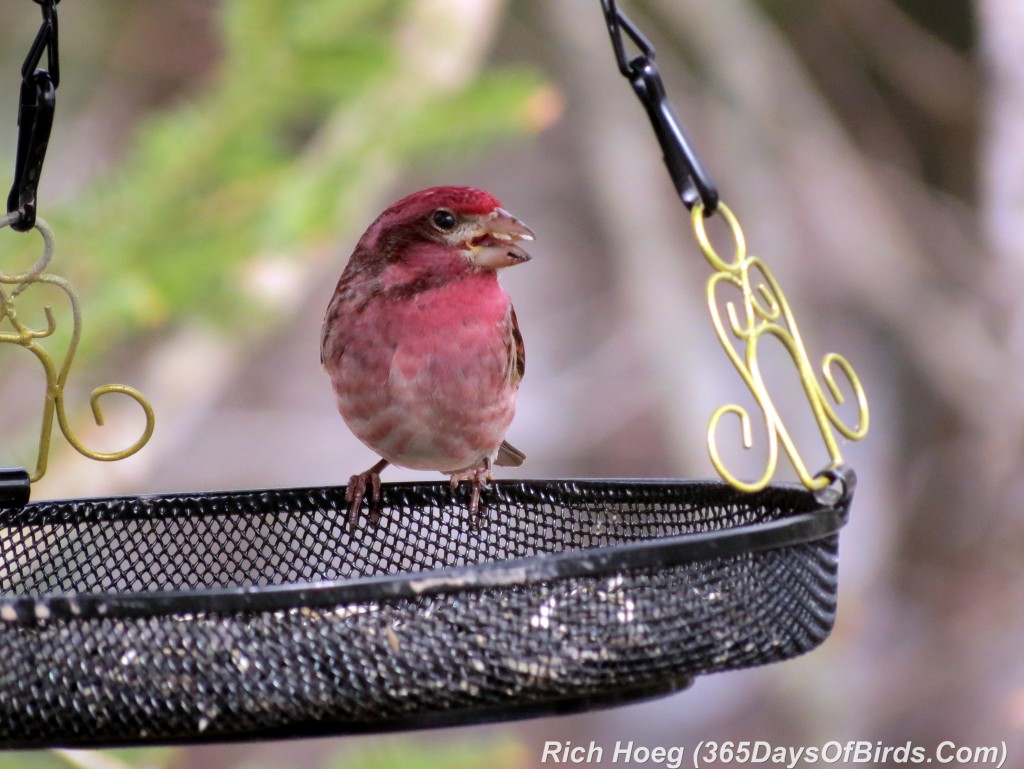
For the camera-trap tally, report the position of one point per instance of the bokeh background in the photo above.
(212, 164)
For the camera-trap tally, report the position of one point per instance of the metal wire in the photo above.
(56, 371)
(765, 312)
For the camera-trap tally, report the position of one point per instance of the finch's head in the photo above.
(461, 222)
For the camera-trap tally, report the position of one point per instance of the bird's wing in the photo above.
(509, 455)
(327, 330)
(516, 349)
(334, 310)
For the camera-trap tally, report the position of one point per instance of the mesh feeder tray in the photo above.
(260, 613)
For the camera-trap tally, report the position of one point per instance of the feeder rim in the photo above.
(668, 551)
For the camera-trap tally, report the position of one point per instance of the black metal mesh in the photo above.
(396, 652)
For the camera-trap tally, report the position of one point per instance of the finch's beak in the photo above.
(497, 244)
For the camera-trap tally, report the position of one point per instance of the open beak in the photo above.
(497, 244)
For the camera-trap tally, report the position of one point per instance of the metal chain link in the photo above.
(36, 105)
(691, 179)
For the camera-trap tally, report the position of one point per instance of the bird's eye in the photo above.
(443, 220)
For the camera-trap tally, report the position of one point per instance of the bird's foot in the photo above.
(478, 478)
(356, 492)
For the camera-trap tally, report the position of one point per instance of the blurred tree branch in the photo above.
(1002, 155)
(925, 69)
(642, 230)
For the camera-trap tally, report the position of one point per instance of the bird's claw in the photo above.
(478, 478)
(356, 492)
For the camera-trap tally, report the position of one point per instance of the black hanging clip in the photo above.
(688, 174)
(35, 117)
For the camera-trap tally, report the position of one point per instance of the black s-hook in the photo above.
(35, 117)
(691, 180)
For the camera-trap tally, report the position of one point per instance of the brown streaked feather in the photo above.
(325, 332)
(509, 455)
(360, 271)
(334, 309)
(516, 348)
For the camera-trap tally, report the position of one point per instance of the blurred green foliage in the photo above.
(32, 760)
(411, 753)
(309, 103)
(151, 758)
(401, 751)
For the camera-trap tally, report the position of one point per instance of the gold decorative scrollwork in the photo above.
(765, 311)
(56, 377)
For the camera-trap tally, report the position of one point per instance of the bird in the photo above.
(422, 344)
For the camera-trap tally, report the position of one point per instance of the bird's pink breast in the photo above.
(424, 380)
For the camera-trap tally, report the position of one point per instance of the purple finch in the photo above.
(422, 344)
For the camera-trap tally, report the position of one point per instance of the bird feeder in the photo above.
(261, 613)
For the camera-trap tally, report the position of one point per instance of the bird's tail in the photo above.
(509, 455)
